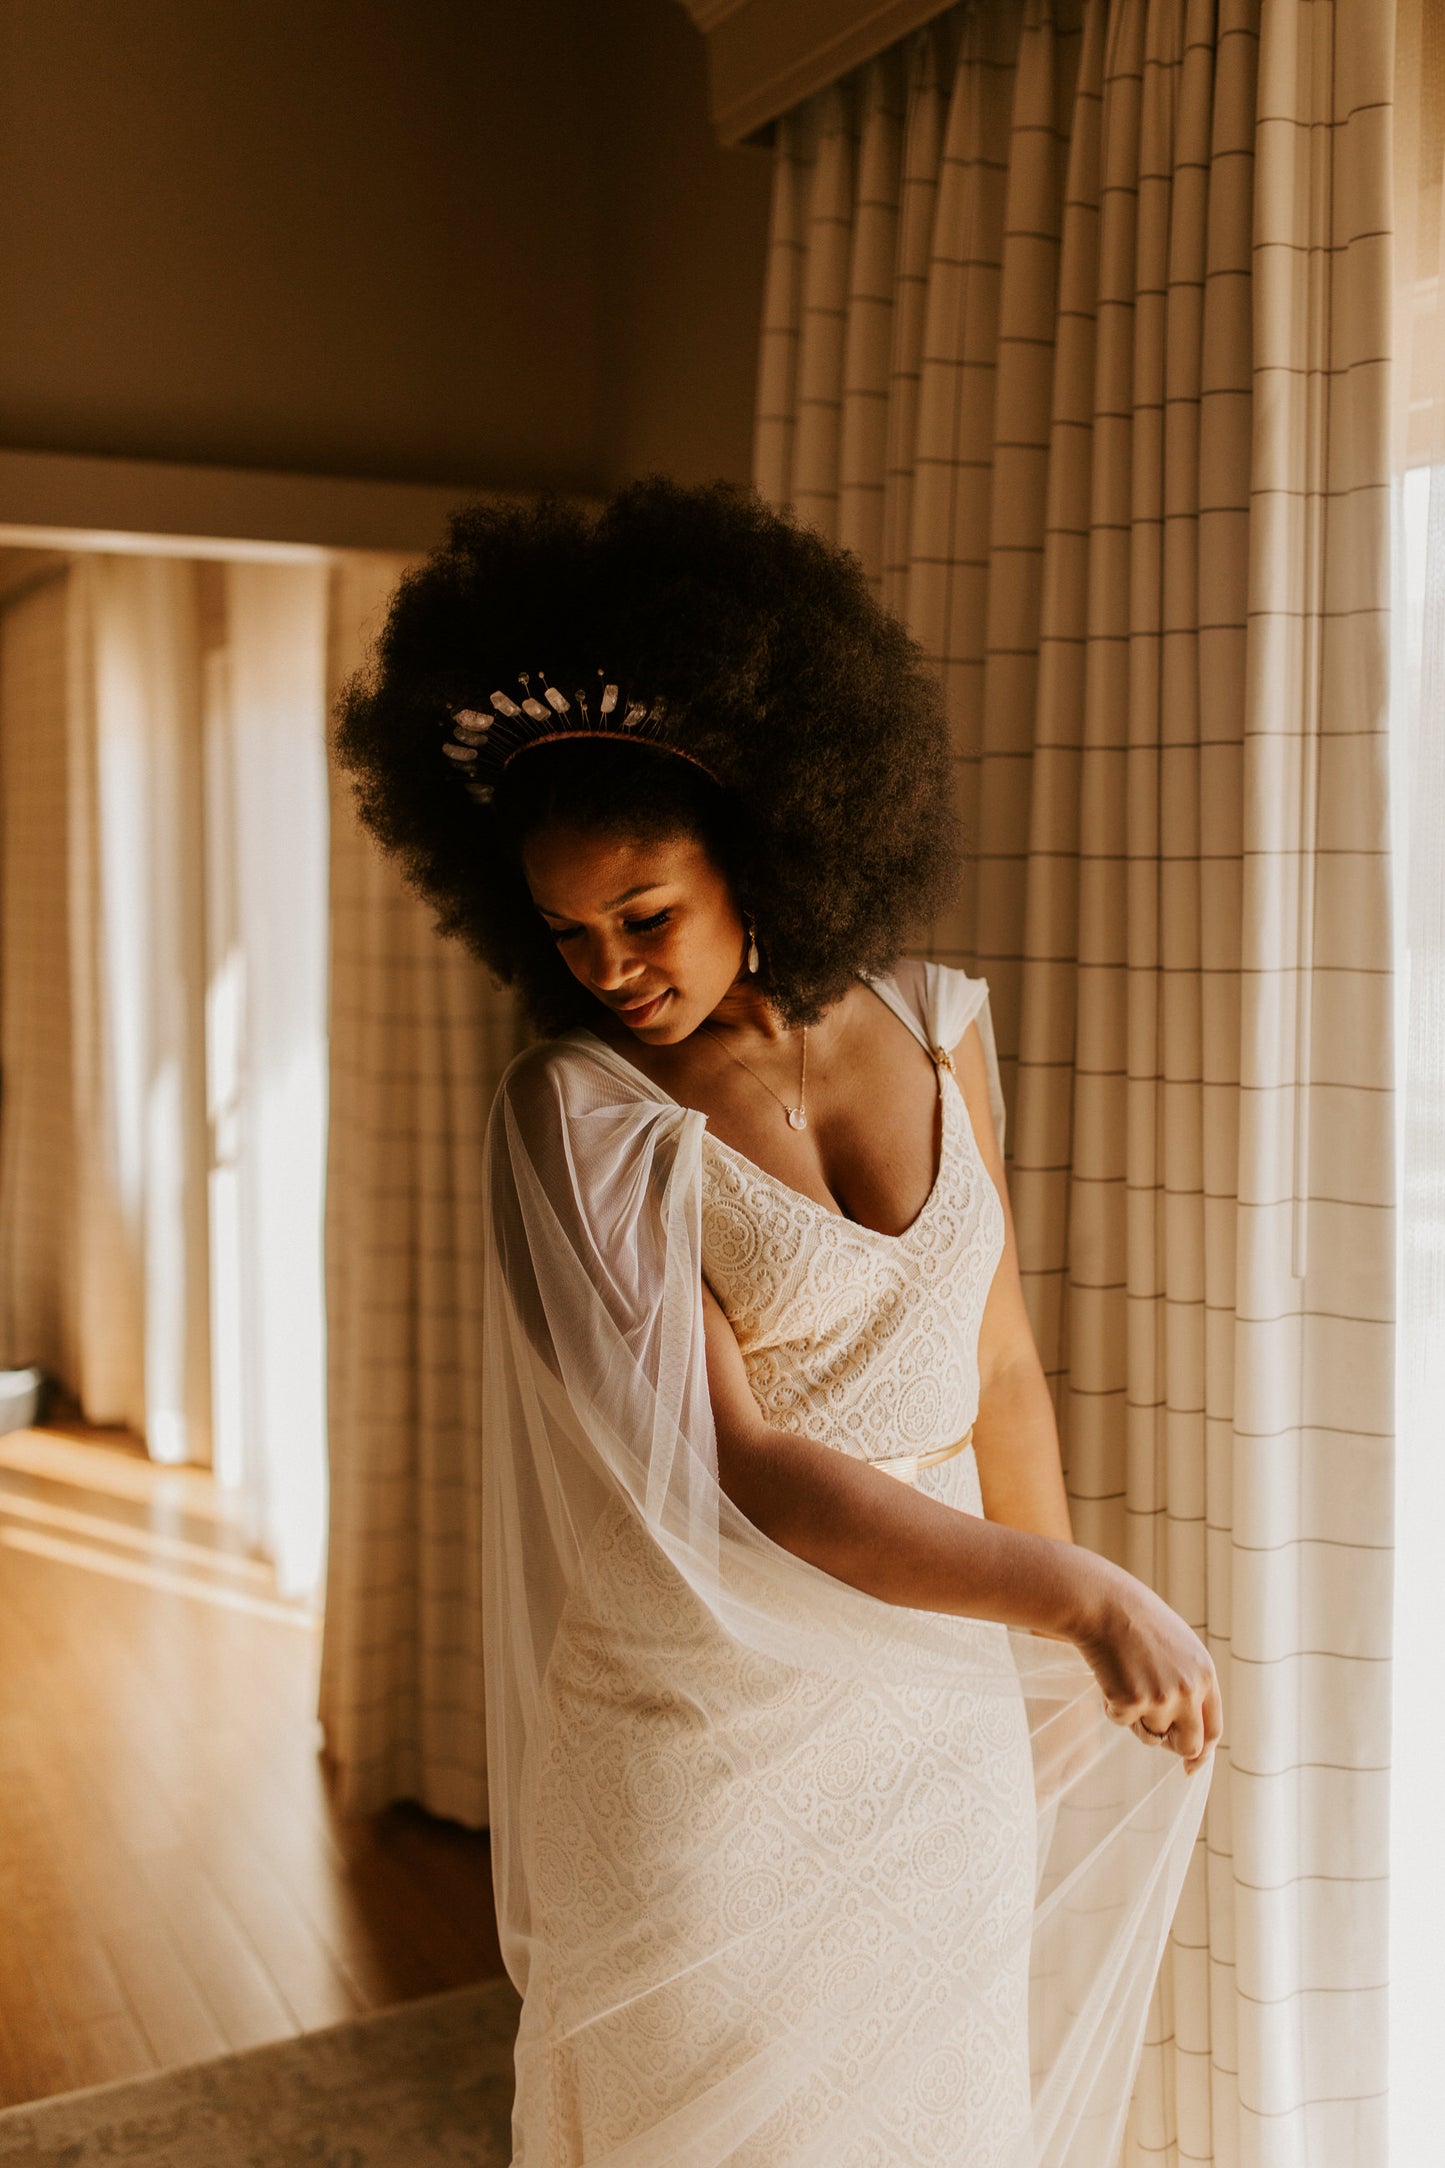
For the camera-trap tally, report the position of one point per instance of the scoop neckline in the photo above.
(720, 1144)
(879, 1234)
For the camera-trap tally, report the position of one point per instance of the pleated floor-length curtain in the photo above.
(163, 1030)
(1076, 330)
(103, 1140)
(419, 1037)
(267, 818)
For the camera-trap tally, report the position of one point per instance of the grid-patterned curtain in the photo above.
(419, 1037)
(1076, 330)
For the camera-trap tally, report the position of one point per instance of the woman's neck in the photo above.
(746, 1010)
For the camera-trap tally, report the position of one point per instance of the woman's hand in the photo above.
(1157, 1676)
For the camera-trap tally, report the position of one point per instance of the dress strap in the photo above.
(888, 993)
(938, 1006)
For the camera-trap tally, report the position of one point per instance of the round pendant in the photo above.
(797, 1119)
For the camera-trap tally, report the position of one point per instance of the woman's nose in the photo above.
(609, 965)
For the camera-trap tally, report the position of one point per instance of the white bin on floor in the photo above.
(19, 1398)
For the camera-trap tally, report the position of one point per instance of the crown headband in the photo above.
(483, 741)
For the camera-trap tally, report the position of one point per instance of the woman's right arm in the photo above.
(900, 1545)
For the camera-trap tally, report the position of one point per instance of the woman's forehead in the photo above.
(572, 873)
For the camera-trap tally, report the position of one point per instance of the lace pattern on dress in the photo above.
(865, 1341)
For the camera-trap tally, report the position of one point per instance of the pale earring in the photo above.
(752, 946)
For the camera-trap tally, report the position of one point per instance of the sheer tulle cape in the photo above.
(597, 1408)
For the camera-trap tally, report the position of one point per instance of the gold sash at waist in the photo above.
(906, 1465)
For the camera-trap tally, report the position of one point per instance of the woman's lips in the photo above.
(642, 1012)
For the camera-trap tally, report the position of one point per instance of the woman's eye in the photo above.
(633, 925)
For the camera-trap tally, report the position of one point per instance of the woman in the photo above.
(814, 1838)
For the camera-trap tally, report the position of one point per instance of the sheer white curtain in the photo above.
(1418, 733)
(162, 1135)
(103, 1198)
(138, 961)
(268, 851)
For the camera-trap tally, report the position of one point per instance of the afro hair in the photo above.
(809, 703)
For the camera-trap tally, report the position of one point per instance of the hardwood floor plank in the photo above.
(32, 1888)
(77, 1975)
(111, 2047)
(218, 1953)
(377, 1956)
(316, 1987)
(454, 1865)
(169, 2007)
(33, 2057)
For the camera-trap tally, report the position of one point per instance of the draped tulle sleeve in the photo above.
(624, 1593)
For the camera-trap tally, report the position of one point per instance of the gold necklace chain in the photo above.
(797, 1116)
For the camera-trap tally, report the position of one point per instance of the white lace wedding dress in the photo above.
(783, 1911)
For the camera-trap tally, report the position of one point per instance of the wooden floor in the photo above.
(174, 1880)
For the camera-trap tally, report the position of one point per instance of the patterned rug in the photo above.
(426, 2085)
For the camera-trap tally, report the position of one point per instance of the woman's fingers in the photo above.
(1186, 1733)
(1209, 1730)
(1213, 1722)
(1157, 1677)
(1192, 1730)
(1189, 1726)
(1196, 1736)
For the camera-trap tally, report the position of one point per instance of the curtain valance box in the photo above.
(765, 56)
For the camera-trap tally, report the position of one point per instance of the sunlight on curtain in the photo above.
(1417, 1925)
(268, 847)
(163, 1146)
(138, 965)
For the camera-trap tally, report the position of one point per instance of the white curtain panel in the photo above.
(104, 1191)
(1076, 331)
(162, 1140)
(267, 837)
(137, 965)
(419, 1037)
